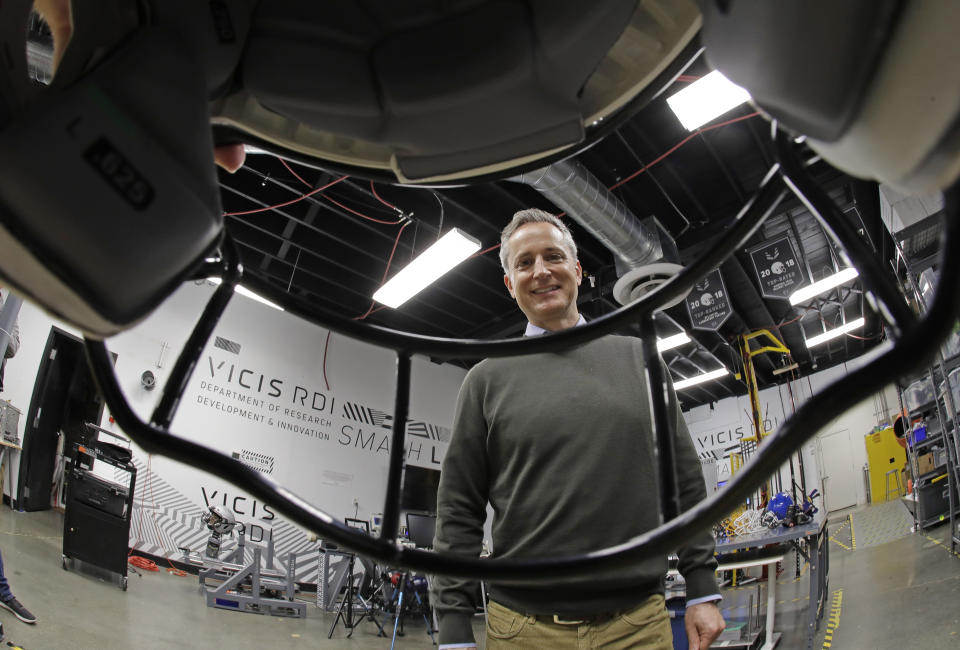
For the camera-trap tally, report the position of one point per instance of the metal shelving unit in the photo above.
(918, 246)
(947, 407)
(935, 497)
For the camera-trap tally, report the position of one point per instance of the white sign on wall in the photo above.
(265, 411)
(260, 394)
(272, 392)
(720, 434)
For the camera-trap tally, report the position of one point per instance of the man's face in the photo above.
(543, 277)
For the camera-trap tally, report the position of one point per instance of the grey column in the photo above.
(8, 316)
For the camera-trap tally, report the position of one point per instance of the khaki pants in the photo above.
(645, 626)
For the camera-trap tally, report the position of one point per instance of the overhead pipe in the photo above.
(644, 252)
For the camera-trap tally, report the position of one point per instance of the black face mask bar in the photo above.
(918, 340)
(134, 144)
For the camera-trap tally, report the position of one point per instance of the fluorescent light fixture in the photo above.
(243, 291)
(834, 333)
(430, 265)
(671, 342)
(699, 379)
(804, 294)
(706, 98)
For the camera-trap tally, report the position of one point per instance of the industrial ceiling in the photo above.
(334, 238)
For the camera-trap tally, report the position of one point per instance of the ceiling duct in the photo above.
(644, 252)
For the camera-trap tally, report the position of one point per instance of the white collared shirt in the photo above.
(534, 330)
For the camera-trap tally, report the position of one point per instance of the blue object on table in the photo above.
(677, 608)
(779, 503)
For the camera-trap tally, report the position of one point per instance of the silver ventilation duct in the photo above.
(645, 254)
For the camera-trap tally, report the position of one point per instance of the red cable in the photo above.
(326, 344)
(371, 312)
(143, 563)
(792, 320)
(350, 210)
(290, 169)
(386, 203)
(286, 203)
(362, 216)
(392, 252)
(673, 148)
(485, 251)
(865, 338)
(677, 146)
(385, 272)
(170, 569)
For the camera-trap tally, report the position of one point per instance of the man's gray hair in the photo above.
(533, 215)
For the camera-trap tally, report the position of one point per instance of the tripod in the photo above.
(411, 586)
(345, 611)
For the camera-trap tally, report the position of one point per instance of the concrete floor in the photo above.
(896, 595)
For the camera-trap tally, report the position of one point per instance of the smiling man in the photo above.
(560, 445)
(543, 274)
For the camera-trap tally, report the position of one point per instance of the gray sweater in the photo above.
(561, 446)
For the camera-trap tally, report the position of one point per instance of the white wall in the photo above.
(717, 431)
(21, 373)
(311, 438)
(860, 419)
(334, 457)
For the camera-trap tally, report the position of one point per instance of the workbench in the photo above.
(767, 547)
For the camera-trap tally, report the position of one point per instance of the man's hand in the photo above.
(704, 624)
(229, 156)
(56, 13)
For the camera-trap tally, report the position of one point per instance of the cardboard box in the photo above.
(925, 463)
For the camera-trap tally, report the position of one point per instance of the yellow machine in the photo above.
(885, 458)
(747, 352)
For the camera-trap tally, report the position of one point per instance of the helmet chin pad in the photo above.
(108, 190)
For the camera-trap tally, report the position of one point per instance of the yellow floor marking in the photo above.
(853, 538)
(941, 544)
(833, 622)
(802, 569)
(845, 522)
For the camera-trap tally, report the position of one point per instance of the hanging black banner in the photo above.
(777, 267)
(708, 304)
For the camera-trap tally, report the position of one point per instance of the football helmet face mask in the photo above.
(137, 158)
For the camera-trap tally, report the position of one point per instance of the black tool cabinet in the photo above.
(96, 524)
